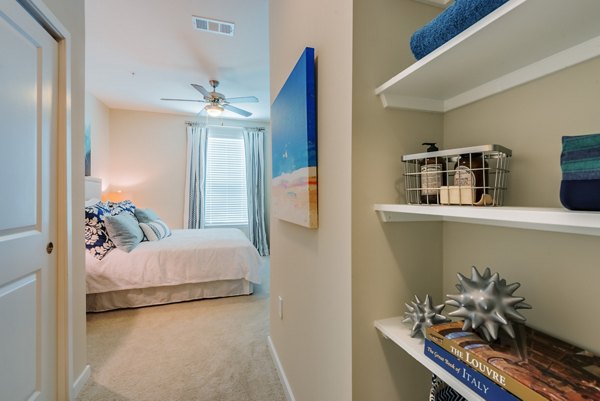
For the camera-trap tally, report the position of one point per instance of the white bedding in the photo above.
(187, 256)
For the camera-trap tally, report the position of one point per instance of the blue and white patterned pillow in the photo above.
(155, 230)
(97, 241)
(120, 207)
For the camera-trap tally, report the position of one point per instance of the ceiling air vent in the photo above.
(214, 26)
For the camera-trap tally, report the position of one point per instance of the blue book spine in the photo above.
(477, 382)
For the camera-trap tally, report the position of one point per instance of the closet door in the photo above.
(28, 132)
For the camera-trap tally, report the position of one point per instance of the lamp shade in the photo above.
(116, 196)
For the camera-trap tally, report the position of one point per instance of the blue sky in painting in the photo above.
(293, 119)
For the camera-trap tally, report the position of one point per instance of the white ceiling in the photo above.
(139, 51)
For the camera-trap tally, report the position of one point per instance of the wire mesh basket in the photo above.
(474, 175)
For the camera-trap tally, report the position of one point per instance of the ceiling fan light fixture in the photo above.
(216, 102)
(214, 110)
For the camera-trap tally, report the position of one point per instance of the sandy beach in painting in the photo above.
(294, 197)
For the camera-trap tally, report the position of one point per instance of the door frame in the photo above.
(67, 385)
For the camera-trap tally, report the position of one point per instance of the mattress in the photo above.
(185, 257)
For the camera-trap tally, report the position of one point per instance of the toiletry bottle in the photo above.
(471, 170)
(433, 176)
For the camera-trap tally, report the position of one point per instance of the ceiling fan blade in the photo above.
(201, 89)
(245, 99)
(236, 110)
(183, 100)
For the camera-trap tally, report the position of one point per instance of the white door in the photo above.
(28, 125)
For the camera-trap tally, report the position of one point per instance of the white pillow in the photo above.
(155, 230)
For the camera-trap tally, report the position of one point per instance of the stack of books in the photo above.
(534, 367)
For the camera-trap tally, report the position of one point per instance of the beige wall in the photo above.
(390, 262)
(71, 15)
(148, 156)
(311, 269)
(97, 120)
(558, 272)
(147, 161)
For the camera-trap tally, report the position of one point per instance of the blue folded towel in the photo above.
(456, 18)
(580, 166)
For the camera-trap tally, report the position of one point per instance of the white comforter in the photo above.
(187, 256)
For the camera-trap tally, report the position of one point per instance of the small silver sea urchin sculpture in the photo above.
(486, 303)
(423, 315)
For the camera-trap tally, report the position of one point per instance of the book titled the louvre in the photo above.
(477, 382)
(534, 367)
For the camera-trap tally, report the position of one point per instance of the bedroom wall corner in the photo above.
(311, 269)
(97, 123)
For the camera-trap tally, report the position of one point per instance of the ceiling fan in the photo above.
(217, 102)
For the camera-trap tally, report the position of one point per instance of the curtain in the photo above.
(255, 175)
(194, 179)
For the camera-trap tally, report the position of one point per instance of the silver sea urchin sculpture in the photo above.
(423, 315)
(486, 303)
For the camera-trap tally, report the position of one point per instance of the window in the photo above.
(225, 201)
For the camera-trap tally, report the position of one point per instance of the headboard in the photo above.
(93, 188)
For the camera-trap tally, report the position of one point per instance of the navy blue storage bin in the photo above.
(580, 165)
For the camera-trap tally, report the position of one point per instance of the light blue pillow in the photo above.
(145, 215)
(155, 230)
(124, 231)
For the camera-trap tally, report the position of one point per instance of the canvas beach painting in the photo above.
(294, 146)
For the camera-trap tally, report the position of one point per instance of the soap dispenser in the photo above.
(432, 176)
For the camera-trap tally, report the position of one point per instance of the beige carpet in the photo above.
(208, 350)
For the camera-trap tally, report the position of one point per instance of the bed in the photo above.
(186, 265)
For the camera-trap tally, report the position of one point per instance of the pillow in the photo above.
(124, 231)
(155, 230)
(120, 207)
(145, 215)
(97, 241)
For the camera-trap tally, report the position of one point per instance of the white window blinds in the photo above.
(225, 186)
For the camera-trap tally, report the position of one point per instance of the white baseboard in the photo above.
(80, 382)
(284, 381)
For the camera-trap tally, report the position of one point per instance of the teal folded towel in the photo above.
(456, 18)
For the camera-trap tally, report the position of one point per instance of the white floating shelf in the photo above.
(399, 333)
(520, 41)
(544, 219)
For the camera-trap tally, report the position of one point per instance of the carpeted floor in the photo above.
(208, 350)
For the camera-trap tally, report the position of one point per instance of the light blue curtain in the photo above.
(194, 180)
(255, 175)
